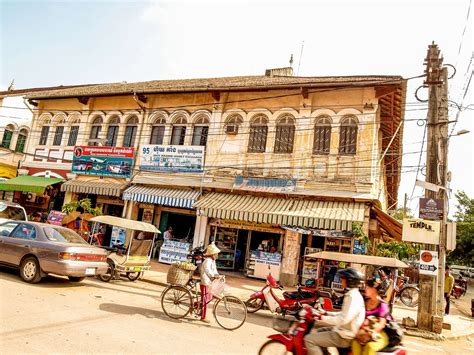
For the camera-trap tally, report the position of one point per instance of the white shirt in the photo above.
(348, 321)
(208, 270)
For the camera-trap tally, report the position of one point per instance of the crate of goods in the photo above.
(180, 273)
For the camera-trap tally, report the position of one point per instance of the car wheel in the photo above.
(30, 270)
(75, 278)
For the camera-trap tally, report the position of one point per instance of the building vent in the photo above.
(288, 71)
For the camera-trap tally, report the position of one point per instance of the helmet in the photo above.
(352, 276)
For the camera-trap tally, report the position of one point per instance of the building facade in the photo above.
(268, 167)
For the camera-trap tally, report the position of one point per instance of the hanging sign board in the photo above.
(182, 158)
(431, 208)
(103, 161)
(421, 231)
(428, 262)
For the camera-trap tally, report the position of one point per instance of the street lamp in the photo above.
(461, 132)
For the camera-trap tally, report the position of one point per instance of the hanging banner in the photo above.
(421, 231)
(428, 262)
(183, 158)
(260, 184)
(431, 208)
(103, 161)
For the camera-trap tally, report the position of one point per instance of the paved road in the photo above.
(125, 317)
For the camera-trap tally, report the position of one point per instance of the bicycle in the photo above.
(178, 301)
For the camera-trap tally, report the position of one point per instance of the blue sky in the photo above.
(47, 43)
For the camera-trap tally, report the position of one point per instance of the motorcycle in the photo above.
(196, 256)
(293, 340)
(291, 303)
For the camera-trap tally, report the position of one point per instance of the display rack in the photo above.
(226, 241)
(340, 245)
(310, 265)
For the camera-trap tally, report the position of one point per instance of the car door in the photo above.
(20, 242)
(6, 247)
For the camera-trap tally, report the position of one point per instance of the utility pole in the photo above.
(431, 292)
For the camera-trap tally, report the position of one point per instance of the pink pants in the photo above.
(206, 297)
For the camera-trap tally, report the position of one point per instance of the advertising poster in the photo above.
(56, 217)
(172, 158)
(103, 161)
(118, 237)
(173, 251)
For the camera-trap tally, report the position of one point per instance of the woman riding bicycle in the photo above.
(371, 336)
(208, 272)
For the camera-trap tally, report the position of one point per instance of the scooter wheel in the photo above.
(253, 304)
(110, 272)
(133, 276)
(272, 347)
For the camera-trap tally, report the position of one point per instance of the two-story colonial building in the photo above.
(270, 164)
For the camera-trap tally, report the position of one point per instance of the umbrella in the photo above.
(70, 217)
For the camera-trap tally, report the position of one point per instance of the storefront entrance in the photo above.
(250, 251)
(182, 224)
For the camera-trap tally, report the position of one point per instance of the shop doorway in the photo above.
(183, 225)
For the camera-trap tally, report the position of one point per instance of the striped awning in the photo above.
(161, 196)
(94, 187)
(281, 211)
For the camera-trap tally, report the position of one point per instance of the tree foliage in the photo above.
(464, 218)
(398, 214)
(399, 250)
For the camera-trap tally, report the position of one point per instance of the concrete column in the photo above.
(291, 255)
(200, 231)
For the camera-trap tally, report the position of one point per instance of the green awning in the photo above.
(36, 184)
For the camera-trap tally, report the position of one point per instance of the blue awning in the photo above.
(161, 196)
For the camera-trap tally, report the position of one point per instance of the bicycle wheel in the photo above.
(176, 302)
(410, 296)
(273, 347)
(230, 312)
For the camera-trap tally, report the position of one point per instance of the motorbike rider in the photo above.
(338, 329)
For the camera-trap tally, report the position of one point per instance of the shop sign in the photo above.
(173, 251)
(266, 185)
(326, 233)
(56, 217)
(421, 231)
(261, 227)
(189, 158)
(103, 161)
(359, 247)
(428, 262)
(431, 208)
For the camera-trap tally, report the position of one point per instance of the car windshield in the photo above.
(12, 212)
(63, 235)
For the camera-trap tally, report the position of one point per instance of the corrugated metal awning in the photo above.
(280, 211)
(161, 196)
(94, 187)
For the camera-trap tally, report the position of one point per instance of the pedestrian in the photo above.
(208, 272)
(37, 217)
(448, 287)
(168, 234)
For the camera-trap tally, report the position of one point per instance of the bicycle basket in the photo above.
(179, 274)
(281, 325)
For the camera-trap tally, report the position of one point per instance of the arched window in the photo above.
(348, 136)
(112, 132)
(44, 133)
(21, 141)
(7, 136)
(233, 123)
(201, 130)
(322, 136)
(258, 134)
(95, 130)
(179, 131)
(130, 132)
(285, 135)
(158, 131)
(73, 133)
